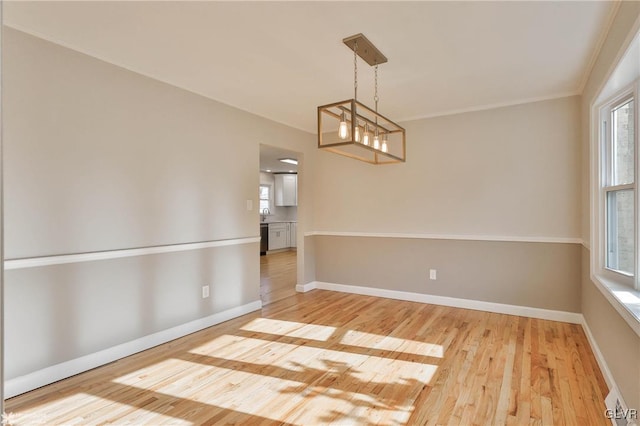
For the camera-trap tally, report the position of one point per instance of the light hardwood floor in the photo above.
(325, 357)
(278, 276)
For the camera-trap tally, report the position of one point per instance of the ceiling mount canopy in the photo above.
(352, 129)
(365, 49)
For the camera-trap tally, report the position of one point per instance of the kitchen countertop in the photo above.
(278, 221)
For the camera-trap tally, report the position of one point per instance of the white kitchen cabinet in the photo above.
(278, 236)
(293, 231)
(286, 189)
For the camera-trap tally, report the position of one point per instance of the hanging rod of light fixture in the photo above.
(346, 127)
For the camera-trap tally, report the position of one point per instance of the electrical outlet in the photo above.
(205, 291)
(249, 205)
(432, 274)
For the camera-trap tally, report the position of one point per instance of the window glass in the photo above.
(623, 144)
(621, 231)
(264, 192)
(264, 197)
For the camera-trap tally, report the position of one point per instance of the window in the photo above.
(618, 189)
(265, 197)
(615, 194)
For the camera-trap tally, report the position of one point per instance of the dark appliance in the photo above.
(264, 238)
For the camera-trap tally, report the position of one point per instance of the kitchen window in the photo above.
(265, 197)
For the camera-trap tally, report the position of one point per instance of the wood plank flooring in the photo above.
(278, 276)
(325, 357)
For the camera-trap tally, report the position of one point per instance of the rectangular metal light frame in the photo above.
(356, 149)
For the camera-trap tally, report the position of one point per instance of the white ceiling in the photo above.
(281, 60)
(270, 159)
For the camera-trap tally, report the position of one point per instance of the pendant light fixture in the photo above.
(345, 127)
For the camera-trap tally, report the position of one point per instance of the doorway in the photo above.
(278, 223)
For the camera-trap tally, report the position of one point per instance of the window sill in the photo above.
(624, 299)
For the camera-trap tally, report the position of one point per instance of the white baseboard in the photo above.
(608, 377)
(28, 382)
(500, 308)
(614, 392)
(303, 288)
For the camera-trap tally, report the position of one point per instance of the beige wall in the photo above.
(620, 346)
(100, 158)
(117, 160)
(539, 275)
(503, 172)
(59, 313)
(506, 172)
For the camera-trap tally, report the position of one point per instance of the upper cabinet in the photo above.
(286, 189)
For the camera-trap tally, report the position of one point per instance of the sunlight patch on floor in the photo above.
(249, 393)
(149, 374)
(226, 344)
(331, 406)
(290, 382)
(331, 391)
(142, 416)
(102, 410)
(376, 341)
(258, 353)
(43, 413)
(290, 329)
(287, 382)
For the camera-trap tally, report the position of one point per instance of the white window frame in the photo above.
(622, 291)
(622, 76)
(270, 199)
(602, 168)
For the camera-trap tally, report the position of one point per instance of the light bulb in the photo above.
(384, 143)
(356, 133)
(365, 137)
(376, 140)
(343, 132)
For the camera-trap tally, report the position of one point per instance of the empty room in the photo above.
(301, 213)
